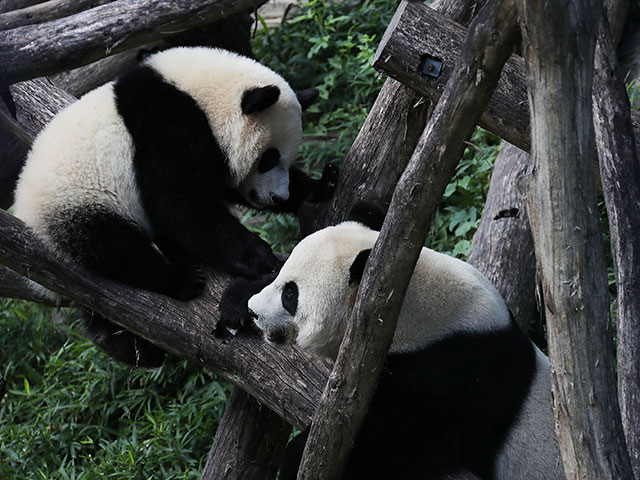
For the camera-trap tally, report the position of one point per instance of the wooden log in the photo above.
(249, 441)
(284, 378)
(502, 245)
(38, 50)
(231, 33)
(425, 33)
(351, 384)
(46, 11)
(9, 5)
(559, 41)
(620, 173)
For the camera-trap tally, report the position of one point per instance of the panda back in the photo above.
(83, 156)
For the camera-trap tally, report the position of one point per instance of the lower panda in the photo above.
(135, 179)
(463, 389)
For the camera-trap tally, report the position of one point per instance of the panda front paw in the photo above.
(187, 282)
(234, 312)
(259, 258)
(327, 183)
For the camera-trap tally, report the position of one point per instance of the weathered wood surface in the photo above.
(282, 377)
(425, 32)
(620, 173)
(8, 5)
(46, 11)
(559, 41)
(38, 50)
(352, 382)
(249, 441)
(502, 245)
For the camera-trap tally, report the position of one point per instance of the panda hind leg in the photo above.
(115, 248)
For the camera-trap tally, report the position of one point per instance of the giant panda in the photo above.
(462, 390)
(134, 180)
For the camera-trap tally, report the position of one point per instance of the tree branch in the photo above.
(46, 11)
(620, 172)
(28, 52)
(368, 337)
(282, 377)
(559, 41)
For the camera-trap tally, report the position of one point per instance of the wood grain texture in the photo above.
(249, 441)
(371, 326)
(559, 41)
(620, 173)
(9, 5)
(46, 11)
(503, 245)
(38, 50)
(425, 32)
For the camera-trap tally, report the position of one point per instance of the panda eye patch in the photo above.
(268, 160)
(290, 297)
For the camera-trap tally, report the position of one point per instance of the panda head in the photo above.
(253, 113)
(310, 300)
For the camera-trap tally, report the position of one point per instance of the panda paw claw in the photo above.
(328, 183)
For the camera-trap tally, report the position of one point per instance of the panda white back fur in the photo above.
(134, 180)
(463, 388)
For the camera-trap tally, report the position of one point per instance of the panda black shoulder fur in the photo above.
(462, 389)
(134, 180)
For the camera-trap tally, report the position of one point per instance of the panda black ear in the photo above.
(307, 97)
(367, 214)
(357, 267)
(259, 98)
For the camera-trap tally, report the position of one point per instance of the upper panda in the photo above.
(463, 389)
(134, 180)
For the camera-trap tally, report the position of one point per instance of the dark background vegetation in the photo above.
(72, 413)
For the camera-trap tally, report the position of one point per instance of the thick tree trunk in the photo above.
(351, 384)
(620, 172)
(502, 245)
(559, 42)
(249, 441)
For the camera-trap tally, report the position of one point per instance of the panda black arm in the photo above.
(183, 178)
(234, 312)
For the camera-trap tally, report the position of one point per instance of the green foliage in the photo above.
(330, 46)
(459, 213)
(71, 412)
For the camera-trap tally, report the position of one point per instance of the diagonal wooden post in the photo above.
(345, 400)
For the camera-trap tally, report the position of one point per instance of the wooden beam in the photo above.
(38, 50)
(423, 32)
